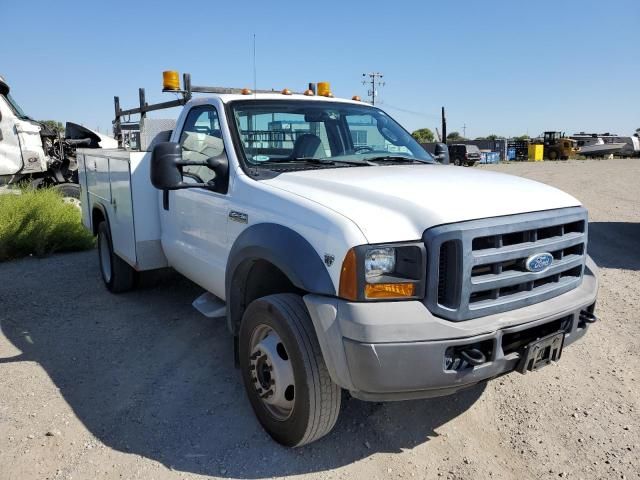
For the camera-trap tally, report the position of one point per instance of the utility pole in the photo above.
(444, 127)
(464, 130)
(375, 80)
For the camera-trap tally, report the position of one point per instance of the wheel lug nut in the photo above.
(266, 394)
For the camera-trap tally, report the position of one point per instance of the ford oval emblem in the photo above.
(539, 262)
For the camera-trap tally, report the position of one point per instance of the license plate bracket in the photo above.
(541, 353)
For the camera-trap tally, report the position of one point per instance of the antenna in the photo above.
(255, 81)
(375, 80)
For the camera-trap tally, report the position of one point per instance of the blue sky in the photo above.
(504, 67)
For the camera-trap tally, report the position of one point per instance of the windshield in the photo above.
(338, 134)
(16, 108)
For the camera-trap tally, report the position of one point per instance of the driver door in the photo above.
(194, 228)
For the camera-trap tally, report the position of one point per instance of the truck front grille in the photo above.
(477, 268)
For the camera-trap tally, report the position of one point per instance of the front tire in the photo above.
(117, 275)
(284, 373)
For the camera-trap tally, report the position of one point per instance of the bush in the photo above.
(39, 222)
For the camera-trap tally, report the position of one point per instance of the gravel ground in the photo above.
(141, 386)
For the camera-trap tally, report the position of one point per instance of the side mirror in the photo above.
(166, 160)
(167, 163)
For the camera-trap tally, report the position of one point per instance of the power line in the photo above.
(412, 112)
(375, 80)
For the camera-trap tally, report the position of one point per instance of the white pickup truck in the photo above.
(341, 255)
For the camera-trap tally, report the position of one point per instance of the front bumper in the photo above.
(396, 350)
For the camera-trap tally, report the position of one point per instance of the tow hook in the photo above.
(587, 317)
(460, 358)
(473, 356)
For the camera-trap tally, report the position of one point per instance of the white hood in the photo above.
(397, 203)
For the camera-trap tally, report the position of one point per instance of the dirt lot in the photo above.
(141, 386)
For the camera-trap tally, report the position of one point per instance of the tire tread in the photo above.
(325, 396)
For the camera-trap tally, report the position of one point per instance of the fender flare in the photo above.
(285, 249)
(103, 210)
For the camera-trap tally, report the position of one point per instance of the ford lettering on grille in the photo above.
(539, 262)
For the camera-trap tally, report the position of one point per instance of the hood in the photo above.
(75, 131)
(399, 202)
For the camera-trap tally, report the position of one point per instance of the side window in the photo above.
(201, 139)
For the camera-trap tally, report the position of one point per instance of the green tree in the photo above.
(523, 137)
(423, 135)
(493, 136)
(53, 125)
(454, 137)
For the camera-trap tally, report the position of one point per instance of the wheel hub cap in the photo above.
(272, 373)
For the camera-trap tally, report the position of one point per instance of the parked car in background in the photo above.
(465, 155)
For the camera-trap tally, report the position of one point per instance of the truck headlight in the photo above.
(383, 272)
(378, 261)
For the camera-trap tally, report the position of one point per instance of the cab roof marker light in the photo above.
(324, 89)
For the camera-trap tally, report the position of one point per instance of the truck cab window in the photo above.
(201, 139)
(275, 135)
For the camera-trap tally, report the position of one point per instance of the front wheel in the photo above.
(456, 162)
(70, 193)
(284, 374)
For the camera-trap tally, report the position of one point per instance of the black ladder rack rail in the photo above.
(187, 93)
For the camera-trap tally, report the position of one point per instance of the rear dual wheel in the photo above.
(117, 275)
(284, 373)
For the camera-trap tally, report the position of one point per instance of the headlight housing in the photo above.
(384, 272)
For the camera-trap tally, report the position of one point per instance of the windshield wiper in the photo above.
(396, 158)
(318, 161)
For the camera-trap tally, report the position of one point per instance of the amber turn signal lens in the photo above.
(356, 98)
(246, 91)
(348, 277)
(286, 91)
(170, 80)
(309, 93)
(389, 290)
